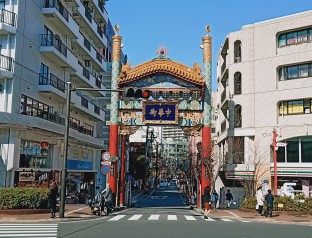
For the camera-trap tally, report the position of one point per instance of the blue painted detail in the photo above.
(160, 112)
(79, 165)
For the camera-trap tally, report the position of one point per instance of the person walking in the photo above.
(269, 198)
(97, 202)
(214, 199)
(107, 199)
(207, 202)
(228, 199)
(260, 200)
(53, 198)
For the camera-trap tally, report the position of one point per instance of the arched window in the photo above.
(237, 83)
(237, 51)
(237, 116)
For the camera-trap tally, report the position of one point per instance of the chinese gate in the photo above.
(175, 94)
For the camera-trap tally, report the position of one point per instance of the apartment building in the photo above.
(44, 45)
(264, 83)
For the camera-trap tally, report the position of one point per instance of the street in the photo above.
(164, 214)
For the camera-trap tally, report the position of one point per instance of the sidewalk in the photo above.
(72, 212)
(278, 216)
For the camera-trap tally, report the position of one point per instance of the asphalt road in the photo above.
(164, 214)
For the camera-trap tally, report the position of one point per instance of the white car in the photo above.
(163, 183)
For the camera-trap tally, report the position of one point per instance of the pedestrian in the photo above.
(53, 198)
(228, 199)
(260, 200)
(269, 198)
(97, 202)
(207, 202)
(214, 198)
(107, 199)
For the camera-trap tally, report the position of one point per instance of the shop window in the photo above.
(281, 154)
(306, 151)
(237, 83)
(237, 51)
(293, 151)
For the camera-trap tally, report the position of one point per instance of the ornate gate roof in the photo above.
(159, 65)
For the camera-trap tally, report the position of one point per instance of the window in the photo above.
(237, 51)
(306, 151)
(237, 83)
(295, 71)
(295, 107)
(96, 110)
(35, 108)
(44, 75)
(238, 116)
(84, 102)
(295, 37)
(292, 151)
(281, 154)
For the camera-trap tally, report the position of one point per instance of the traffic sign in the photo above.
(106, 156)
(106, 162)
(105, 169)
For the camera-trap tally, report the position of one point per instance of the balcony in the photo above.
(223, 126)
(86, 20)
(48, 40)
(57, 15)
(49, 83)
(7, 22)
(6, 67)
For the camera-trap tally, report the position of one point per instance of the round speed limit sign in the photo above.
(106, 156)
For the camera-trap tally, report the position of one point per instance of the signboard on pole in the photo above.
(106, 156)
(281, 144)
(105, 169)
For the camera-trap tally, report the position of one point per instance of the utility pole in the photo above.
(275, 160)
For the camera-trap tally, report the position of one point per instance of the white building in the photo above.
(265, 82)
(45, 44)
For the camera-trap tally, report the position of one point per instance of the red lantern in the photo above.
(44, 144)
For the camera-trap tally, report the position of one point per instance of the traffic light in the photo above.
(138, 93)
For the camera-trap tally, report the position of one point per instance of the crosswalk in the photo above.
(158, 217)
(28, 230)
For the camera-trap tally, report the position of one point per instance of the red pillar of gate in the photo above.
(206, 147)
(113, 150)
(122, 171)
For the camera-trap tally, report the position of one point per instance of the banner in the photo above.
(155, 112)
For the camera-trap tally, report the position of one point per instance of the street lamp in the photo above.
(66, 135)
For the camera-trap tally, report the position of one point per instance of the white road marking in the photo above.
(223, 219)
(233, 214)
(154, 217)
(172, 217)
(190, 218)
(116, 218)
(209, 219)
(244, 221)
(135, 217)
(28, 230)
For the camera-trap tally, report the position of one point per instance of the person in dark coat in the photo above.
(228, 199)
(207, 202)
(269, 198)
(107, 199)
(53, 198)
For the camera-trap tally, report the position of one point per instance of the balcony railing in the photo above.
(59, 7)
(6, 62)
(99, 30)
(51, 79)
(52, 40)
(98, 83)
(101, 5)
(7, 17)
(223, 67)
(87, 43)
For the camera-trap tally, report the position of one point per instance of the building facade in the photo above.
(60, 42)
(265, 82)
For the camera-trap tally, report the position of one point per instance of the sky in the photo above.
(179, 25)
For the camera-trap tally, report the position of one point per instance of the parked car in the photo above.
(163, 183)
(174, 182)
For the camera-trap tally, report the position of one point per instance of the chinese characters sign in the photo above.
(160, 112)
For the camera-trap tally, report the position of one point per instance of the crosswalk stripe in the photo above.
(223, 219)
(135, 217)
(243, 221)
(190, 218)
(209, 219)
(154, 217)
(28, 230)
(172, 217)
(116, 218)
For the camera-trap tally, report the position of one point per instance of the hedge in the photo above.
(298, 204)
(23, 198)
